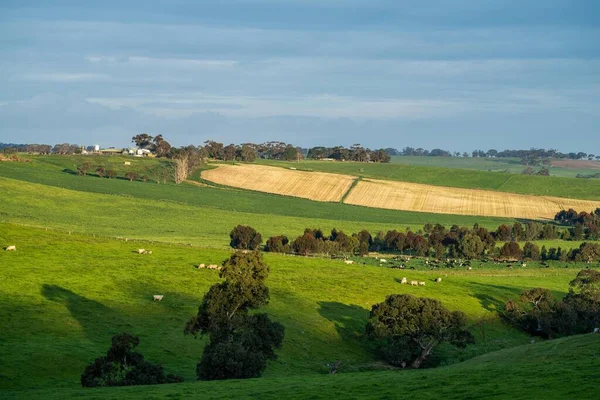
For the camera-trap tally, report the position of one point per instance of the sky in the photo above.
(458, 75)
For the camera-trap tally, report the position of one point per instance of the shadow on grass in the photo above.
(349, 320)
(494, 297)
(91, 315)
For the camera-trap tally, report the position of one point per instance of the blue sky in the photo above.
(459, 75)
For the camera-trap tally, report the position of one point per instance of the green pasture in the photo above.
(559, 369)
(511, 165)
(76, 279)
(188, 213)
(65, 295)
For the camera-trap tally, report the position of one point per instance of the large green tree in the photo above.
(143, 140)
(240, 344)
(408, 328)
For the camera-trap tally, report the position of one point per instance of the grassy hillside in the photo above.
(99, 287)
(71, 285)
(511, 165)
(561, 369)
(41, 194)
(463, 178)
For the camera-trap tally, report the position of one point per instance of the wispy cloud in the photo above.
(321, 106)
(162, 62)
(65, 77)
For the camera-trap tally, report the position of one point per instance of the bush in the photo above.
(277, 244)
(132, 175)
(245, 238)
(531, 251)
(511, 250)
(123, 367)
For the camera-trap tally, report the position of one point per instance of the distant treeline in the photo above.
(277, 150)
(532, 155)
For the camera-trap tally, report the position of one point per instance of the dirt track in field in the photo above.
(321, 186)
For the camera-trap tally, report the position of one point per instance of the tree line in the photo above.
(277, 150)
(355, 153)
(432, 241)
(532, 156)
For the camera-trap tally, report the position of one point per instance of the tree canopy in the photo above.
(408, 328)
(240, 344)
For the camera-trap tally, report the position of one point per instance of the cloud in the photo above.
(162, 62)
(321, 106)
(65, 77)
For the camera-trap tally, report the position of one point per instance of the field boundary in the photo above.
(354, 184)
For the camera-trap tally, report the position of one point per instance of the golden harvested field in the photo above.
(446, 200)
(319, 186)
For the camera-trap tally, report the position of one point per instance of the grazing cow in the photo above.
(141, 251)
(421, 283)
(11, 248)
(201, 266)
(383, 260)
(404, 281)
(523, 265)
(414, 283)
(349, 262)
(213, 266)
(469, 268)
(438, 279)
(127, 163)
(158, 297)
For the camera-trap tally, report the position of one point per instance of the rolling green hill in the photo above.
(72, 284)
(561, 369)
(511, 165)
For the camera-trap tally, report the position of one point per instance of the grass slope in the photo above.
(64, 296)
(187, 213)
(559, 369)
(512, 165)
(462, 178)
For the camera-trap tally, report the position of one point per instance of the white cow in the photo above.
(349, 262)
(414, 283)
(383, 260)
(11, 248)
(404, 281)
(158, 297)
(421, 283)
(438, 279)
(141, 251)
